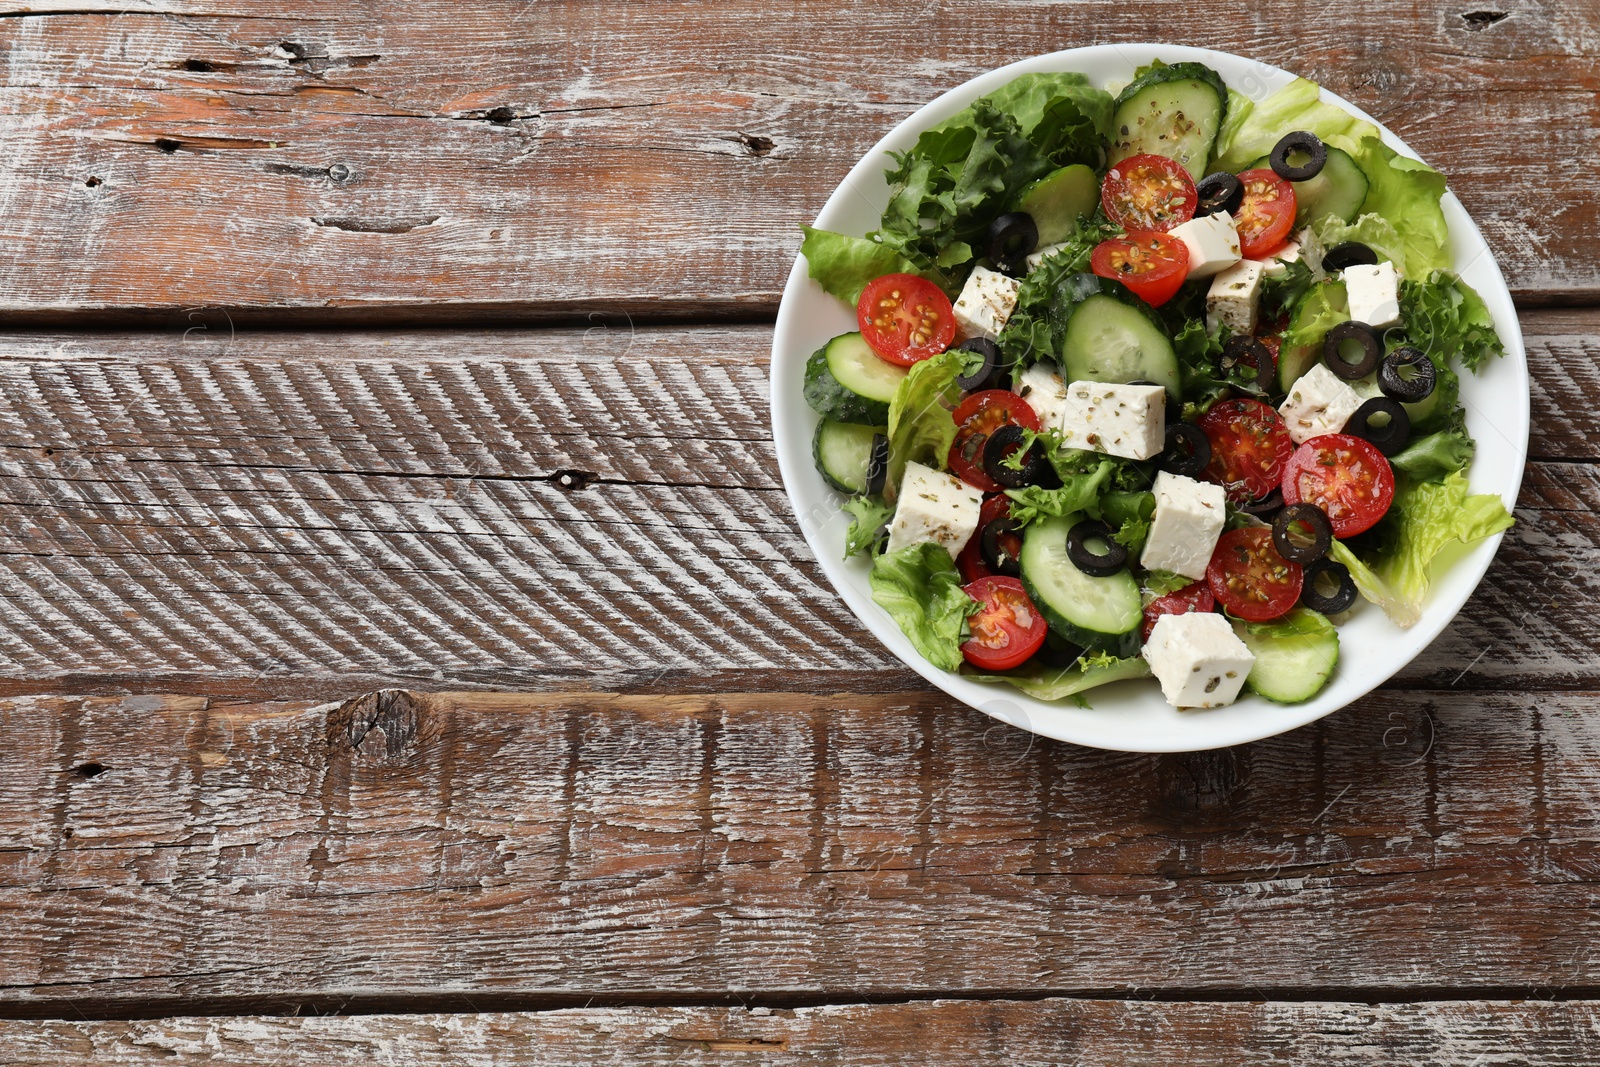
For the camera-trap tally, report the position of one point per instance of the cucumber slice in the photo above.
(1098, 613)
(1339, 190)
(1294, 655)
(1173, 111)
(1058, 200)
(1111, 340)
(842, 451)
(1319, 311)
(846, 381)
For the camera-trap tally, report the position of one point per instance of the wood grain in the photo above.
(544, 159)
(275, 515)
(488, 851)
(947, 1032)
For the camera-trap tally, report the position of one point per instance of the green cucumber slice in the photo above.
(1173, 111)
(1109, 339)
(1340, 189)
(847, 381)
(1097, 613)
(1058, 200)
(1295, 655)
(842, 451)
(1320, 310)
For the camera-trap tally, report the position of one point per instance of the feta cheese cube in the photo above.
(1278, 265)
(1213, 243)
(934, 506)
(1038, 255)
(1184, 530)
(1198, 659)
(1320, 402)
(1042, 386)
(1374, 292)
(1119, 420)
(1234, 297)
(985, 303)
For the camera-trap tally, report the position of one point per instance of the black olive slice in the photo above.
(1188, 450)
(1344, 591)
(1251, 353)
(1392, 375)
(1000, 542)
(1265, 506)
(1004, 441)
(1009, 239)
(1219, 194)
(1302, 142)
(1348, 335)
(1349, 254)
(1094, 563)
(984, 377)
(1291, 543)
(1389, 434)
(877, 464)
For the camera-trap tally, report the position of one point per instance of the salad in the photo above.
(1154, 384)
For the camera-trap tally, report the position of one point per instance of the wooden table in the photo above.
(409, 654)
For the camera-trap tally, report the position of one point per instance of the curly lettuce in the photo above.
(921, 590)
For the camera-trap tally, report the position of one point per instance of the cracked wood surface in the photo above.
(945, 1033)
(309, 514)
(547, 159)
(471, 851)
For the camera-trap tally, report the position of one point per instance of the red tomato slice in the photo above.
(978, 416)
(1194, 597)
(1007, 629)
(1148, 192)
(1267, 214)
(1249, 446)
(1344, 476)
(1248, 577)
(905, 318)
(1152, 265)
(970, 561)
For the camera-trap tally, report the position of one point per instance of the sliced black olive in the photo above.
(1004, 441)
(1288, 540)
(1357, 335)
(1299, 142)
(1000, 542)
(1255, 355)
(1220, 194)
(877, 464)
(1344, 591)
(1267, 505)
(1392, 375)
(1188, 450)
(1387, 434)
(1094, 563)
(1009, 239)
(1349, 254)
(984, 377)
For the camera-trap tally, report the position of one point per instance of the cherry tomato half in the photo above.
(1249, 446)
(1148, 192)
(905, 318)
(1196, 596)
(1267, 214)
(1152, 265)
(978, 416)
(1007, 629)
(1248, 577)
(1344, 476)
(970, 560)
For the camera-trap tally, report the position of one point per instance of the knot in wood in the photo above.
(389, 726)
(1200, 784)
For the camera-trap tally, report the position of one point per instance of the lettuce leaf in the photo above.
(1431, 457)
(843, 265)
(921, 590)
(1048, 296)
(867, 516)
(921, 426)
(1059, 683)
(1446, 318)
(1079, 492)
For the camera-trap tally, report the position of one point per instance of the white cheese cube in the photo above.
(1213, 243)
(1119, 420)
(1184, 530)
(1374, 292)
(985, 303)
(1038, 255)
(1278, 265)
(1234, 297)
(1198, 659)
(934, 506)
(1318, 403)
(1042, 386)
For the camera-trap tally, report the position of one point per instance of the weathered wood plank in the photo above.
(245, 513)
(936, 1033)
(172, 854)
(533, 160)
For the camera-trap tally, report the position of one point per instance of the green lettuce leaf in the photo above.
(1129, 515)
(1160, 583)
(1431, 457)
(1079, 491)
(1254, 131)
(844, 265)
(1060, 683)
(921, 428)
(1374, 231)
(921, 590)
(1048, 296)
(867, 516)
(1446, 318)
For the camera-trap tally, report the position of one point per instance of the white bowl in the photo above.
(1133, 716)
